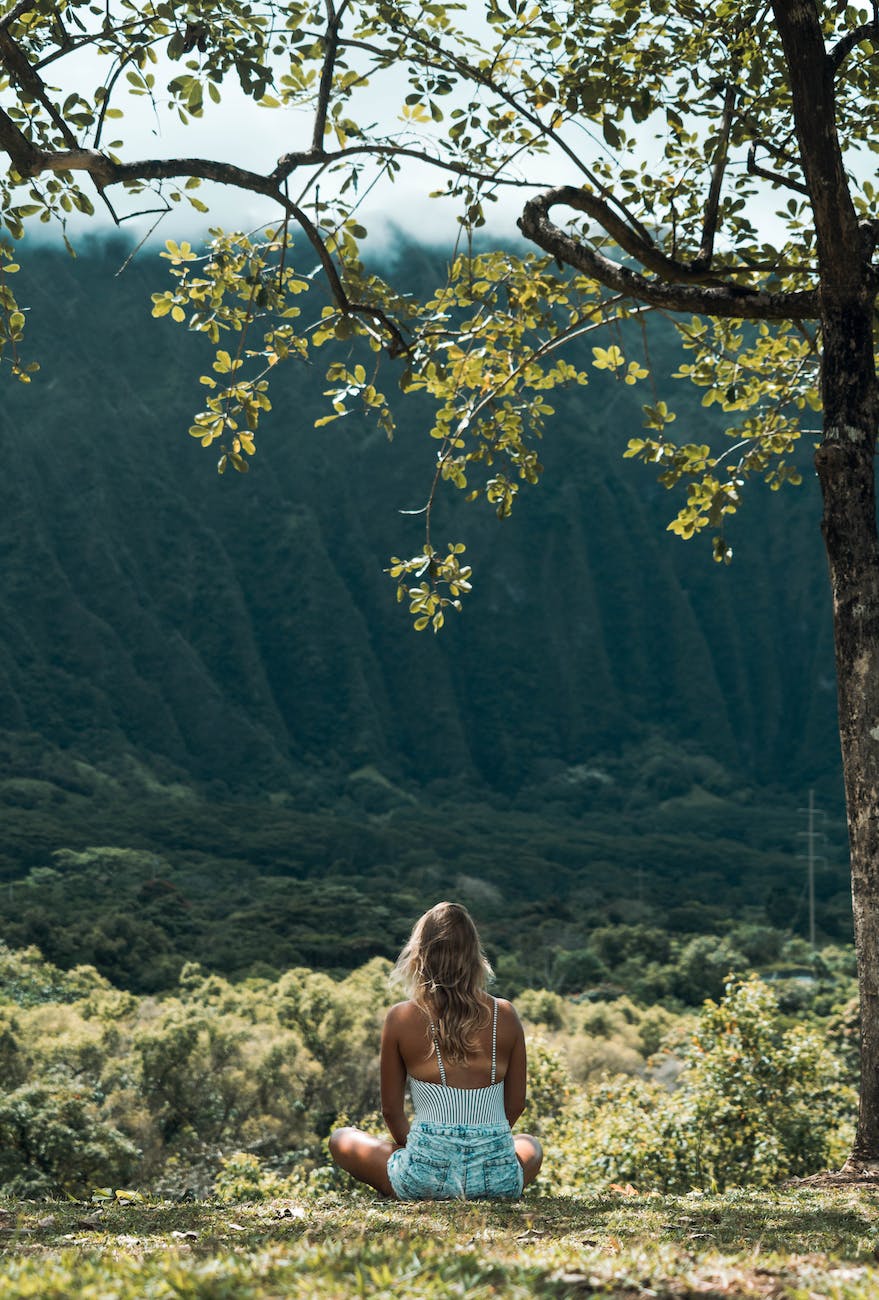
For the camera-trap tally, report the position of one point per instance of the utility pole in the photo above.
(810, 836)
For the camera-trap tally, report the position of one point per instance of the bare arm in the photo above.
(515, 1080)
(393, 1081)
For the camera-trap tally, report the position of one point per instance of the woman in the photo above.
(463, 1054)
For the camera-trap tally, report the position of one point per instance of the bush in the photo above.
(102, 1087)
(53, 1141)
(757, 1103)
(242, 1177)
(703, 967)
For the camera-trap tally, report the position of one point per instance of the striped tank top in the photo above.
(437, 1103)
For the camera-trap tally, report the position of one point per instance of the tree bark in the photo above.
(845, 465)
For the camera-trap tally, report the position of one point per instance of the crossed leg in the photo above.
(530, 1156)
(366, 1158)
(363, 1157)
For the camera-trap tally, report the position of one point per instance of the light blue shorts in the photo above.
(441, 1162)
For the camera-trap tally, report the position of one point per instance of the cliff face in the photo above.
(241, 629)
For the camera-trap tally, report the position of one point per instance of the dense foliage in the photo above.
(491, 106)
(755, 1104)
(556, 909)
(236, 1086)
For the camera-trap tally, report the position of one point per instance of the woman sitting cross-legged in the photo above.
(463, 1053)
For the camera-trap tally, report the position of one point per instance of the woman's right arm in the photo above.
(393, 1079)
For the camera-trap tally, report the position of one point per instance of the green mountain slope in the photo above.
(240, 629)
(210, 677)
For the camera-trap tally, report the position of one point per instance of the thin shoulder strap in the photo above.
(494, 1042)
(439, 1059)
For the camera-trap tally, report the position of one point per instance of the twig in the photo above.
(89, 39)
(105, 104)
(754, 169)
(323, 158)
(712, 206)
(134, 252)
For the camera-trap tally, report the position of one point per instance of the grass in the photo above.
(801, 1243)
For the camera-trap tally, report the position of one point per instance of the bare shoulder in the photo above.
(505, 1008)
(507, 1015)
(403, 1014)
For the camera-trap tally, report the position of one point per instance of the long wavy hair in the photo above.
(444, 971)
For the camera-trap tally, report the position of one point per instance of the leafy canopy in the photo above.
(684, 196)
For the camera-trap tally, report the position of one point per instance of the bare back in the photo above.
(419, 1058)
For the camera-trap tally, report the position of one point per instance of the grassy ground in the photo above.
(803, 1243)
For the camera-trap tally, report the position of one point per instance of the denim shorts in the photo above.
(442, 1162)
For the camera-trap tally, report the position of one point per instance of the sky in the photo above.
(236, 130)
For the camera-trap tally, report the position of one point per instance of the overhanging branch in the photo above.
(289, 162)
(105, 172)
(843, 48)
(707, 299)
(650, 257)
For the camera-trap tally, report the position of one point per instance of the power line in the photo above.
(811, 835)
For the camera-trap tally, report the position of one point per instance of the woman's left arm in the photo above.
(393, 1080)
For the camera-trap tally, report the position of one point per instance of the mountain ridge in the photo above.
(244, 631)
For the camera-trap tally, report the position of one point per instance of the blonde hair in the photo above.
(444, 971)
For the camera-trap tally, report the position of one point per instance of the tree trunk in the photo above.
(845, 465)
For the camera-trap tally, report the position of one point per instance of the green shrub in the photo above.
(757, 1103)
(53, 1140)
(549, 1088)
(703, 967)
(242, 1177)
(101, 1087)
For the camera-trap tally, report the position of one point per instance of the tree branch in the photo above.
(22, 73)
(311, 157)
(92, 38)
(24, 154)
(105, 172)
(15, 13)
(843, 48)
(109, 84)
(326, 78)
(650, 257)
(754, 169)
(712, 206)
(727, 300)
